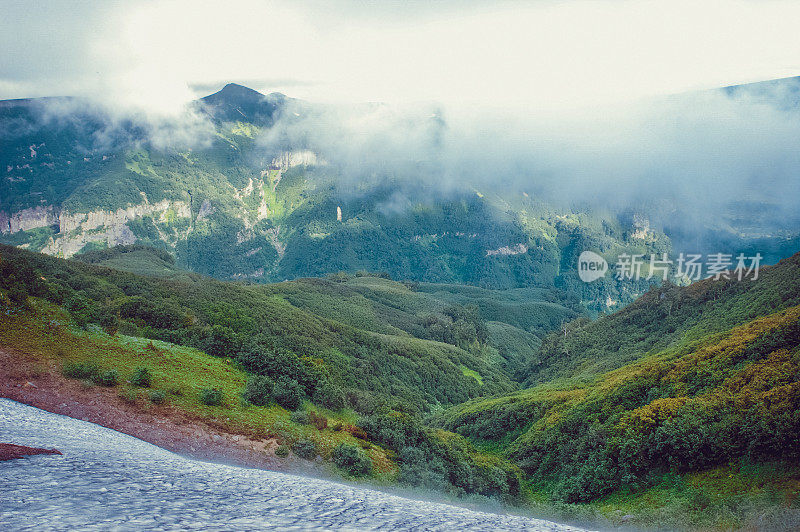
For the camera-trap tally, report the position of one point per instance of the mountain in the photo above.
(207, 190)
(236, 103)
(224, 191)
(680, 410)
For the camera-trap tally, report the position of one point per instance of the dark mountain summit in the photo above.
(236, 103)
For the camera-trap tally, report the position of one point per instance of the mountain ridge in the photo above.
(233, 207)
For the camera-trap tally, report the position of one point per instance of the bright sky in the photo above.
(537, 53)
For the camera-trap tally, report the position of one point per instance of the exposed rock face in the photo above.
(290, 159)
(90, 221)
(74, 230)
(206, 210)
(79, 229)
(517, 249)
(27, 219)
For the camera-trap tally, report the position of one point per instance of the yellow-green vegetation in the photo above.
(691, 432)
(474, 374)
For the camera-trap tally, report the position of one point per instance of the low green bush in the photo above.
(142, 378)
(282, 451)
(107, 378)
(318, 420)
(329, 396)
(211, 396)
(352, 459)
(305, 448)
(300, 417)
(258, 390)
(288, 393)
(128, 395)
(158, 397)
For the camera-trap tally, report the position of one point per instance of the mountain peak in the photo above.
(236, 102)
(238, 91)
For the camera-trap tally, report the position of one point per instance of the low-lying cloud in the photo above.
(723, 160)
(699, 158)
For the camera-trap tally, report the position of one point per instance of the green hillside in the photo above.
(681, 408)
(258, 323)
(658, 398)
(355, 345)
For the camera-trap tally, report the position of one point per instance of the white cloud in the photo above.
(537, 54)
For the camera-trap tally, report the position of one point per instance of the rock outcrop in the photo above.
(27, 219)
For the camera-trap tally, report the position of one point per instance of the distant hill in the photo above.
(236, 103)
(139, 259)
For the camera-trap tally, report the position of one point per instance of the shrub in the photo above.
(80, 370)
(361, 401)
(352, 459)
(300, 417)
(80, 308)
(329, 395)
(211, 396)
(258, 390)
(107, 378)
(18, 295)
(282, 431)
(158, 397)
(305, 448)
(282, 451)
(142, 378)
(356, 432)
(174, 390)
(288, 393)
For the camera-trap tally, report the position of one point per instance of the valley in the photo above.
(463, 390)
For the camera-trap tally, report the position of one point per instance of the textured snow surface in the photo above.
(107, 480)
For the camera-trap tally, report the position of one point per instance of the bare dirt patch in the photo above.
(31, 381)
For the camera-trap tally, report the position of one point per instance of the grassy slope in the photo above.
(681, 409)
(389, 367)
(45, 335)
(517, 318)
(234, 317)
(141, 260)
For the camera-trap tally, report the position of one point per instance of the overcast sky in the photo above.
(538, 53)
